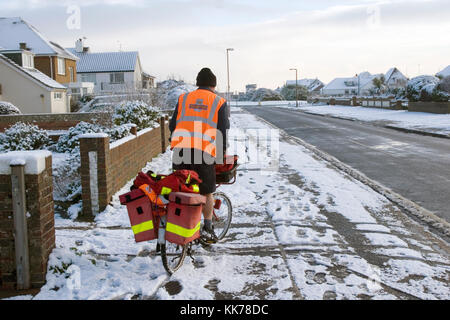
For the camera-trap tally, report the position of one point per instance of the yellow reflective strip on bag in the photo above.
(188, 179)
(142, 227)
(195, 188)
(165, 191)
(154, 175)
(187, 233)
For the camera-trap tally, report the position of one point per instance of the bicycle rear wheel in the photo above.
(222, 216)
(173, 256)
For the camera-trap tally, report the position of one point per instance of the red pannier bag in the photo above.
(184, 215)
(139, 207)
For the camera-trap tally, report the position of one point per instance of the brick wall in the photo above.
(41, 231)
(106, 168)
(61, 121)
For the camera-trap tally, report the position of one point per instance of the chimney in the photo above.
(23, 46)
(79, 45)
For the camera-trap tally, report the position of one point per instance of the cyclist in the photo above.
(198, 139)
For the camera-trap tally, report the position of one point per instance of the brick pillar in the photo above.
(332, 102)
(40, 216)
(95, 181)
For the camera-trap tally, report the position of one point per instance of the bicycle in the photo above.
(173, 255)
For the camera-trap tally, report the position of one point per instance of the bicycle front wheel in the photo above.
(173, 256)
(223, 215)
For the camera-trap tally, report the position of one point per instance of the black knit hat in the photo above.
(206, 78)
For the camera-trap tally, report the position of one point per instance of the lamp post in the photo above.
(296, 85)
(358, 85)
(228, 72)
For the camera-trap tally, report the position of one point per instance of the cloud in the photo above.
(323, 40)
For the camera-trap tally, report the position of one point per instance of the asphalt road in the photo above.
(415, 166)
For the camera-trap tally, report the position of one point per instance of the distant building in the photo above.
(312, 85)
(250, 87)
(111, 72)
(394, 79)
(27, 88)
(49, 57)
(362, 84)
(444, 73)
(350, 86)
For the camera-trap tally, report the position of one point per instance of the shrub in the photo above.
(288, 93)
(421, 88)
(136, 112)
(22, 136)
(8, 108)
(119, 132)
(69, 142)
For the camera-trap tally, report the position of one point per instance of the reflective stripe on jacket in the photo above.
(196, 122)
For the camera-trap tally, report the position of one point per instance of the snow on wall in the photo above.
(34, 161)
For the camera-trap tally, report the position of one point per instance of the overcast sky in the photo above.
(324, 39)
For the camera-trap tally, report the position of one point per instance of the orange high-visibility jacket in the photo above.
(197, 120)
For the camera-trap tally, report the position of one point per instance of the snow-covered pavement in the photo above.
(422, 121)
(301, 230)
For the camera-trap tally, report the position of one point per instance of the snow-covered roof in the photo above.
(105, 61)
(34, 74)
(444, 73)
(365, 78)
(310, 84)
(14, 31)
(389, 74)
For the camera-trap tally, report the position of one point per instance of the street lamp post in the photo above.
(228, 72)
(296, 85)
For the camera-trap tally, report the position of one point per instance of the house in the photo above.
(111, 72)
(49, 57)
(27, 88)
(394, 79)
(312, 85)
(361, 84)
(444, 73)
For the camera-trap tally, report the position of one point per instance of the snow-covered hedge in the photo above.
(23, 136)
(69, 142)
(136, 112)
(8, 108)
(427, 88)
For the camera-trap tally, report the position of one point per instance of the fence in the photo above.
(373, 102)
(106, 167)
(384, 103)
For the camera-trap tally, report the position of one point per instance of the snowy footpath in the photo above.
(421, 121)
(301, 230)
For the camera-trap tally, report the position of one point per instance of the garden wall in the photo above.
(40, 216)
(60, 121)
(106, 168)
(432, 107)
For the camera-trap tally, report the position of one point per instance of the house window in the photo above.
(117, 77)
(72, 75)
(61, 66)
(27, 61)
(89, 77)
(57, 95)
